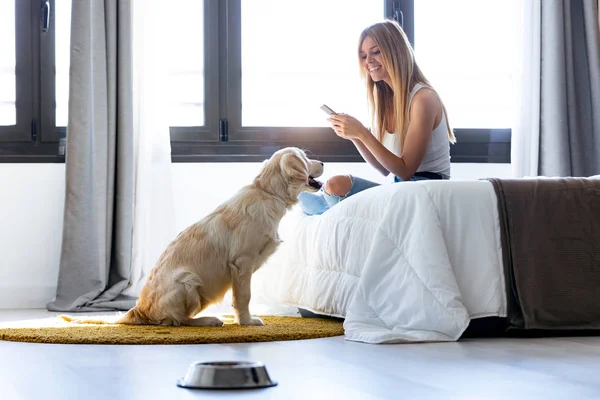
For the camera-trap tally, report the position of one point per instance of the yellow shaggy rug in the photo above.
(99, 330)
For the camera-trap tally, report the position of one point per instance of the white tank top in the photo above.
(437, 156)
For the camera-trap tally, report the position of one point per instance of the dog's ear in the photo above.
(294, 167)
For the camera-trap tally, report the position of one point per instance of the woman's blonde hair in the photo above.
(389, 106)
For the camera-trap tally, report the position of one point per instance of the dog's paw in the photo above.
(204, 321)
(254, 321)
(214, 321)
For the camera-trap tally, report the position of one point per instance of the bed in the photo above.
(417, 262)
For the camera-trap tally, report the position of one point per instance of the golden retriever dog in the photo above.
(224, 249)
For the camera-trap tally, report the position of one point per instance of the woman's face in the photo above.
(371, 56)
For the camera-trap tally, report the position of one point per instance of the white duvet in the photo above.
(406, 262)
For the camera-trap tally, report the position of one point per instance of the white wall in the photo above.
(32, 202)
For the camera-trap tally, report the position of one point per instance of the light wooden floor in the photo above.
(556, 368)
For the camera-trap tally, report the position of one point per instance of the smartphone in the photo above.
(328, 110)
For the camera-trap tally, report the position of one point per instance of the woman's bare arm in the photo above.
(368, 156)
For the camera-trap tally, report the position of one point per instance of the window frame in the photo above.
(20, 132)
(50, 133)
(213, 57)
(222, 138)
(233, 142)
(31, 141)
(473, 145)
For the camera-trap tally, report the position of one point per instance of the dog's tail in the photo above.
(88, 320)
(132, 317)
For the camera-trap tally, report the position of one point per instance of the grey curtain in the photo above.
(569, 143)
(98, 217)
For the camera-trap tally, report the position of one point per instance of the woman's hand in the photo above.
(347, 127)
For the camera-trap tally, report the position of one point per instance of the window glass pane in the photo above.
(464, 47)
(298, 55)
(184, 24)
(8, 115)
(63, 40)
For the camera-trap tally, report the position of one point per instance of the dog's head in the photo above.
(289, 172)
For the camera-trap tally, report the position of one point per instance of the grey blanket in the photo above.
(550, 233)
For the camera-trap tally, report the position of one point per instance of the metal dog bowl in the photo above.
(226, 375)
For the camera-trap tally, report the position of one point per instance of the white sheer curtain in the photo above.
(525, 146)
(154, 217)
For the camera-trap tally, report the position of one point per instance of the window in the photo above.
(464, 47)
(28, 132)
(272, 64)
(8, 81)
(186, 65)
(286, 77)
(15, 74)
(278, 61)
(468, 59)
(248, 77)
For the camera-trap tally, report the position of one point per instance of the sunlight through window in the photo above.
(8, 115)
(464, 47)
(297, 56)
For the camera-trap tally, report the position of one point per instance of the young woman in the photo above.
(411, 135)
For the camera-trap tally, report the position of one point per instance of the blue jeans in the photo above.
(321, 201)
